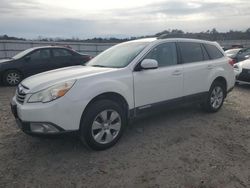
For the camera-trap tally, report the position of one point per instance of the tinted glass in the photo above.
(213, 51)
(40, 54)
(165, 54)
(244, 51)
(61, 53)
(190, 52)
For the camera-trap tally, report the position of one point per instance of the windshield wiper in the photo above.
(98, 66)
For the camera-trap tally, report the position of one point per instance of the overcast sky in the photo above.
(119, 18)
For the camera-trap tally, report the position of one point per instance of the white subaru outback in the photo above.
(123, 82)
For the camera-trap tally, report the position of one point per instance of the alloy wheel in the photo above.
(13, 78)
(106, 126)
(216, 98)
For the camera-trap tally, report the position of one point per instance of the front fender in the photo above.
(85, 91)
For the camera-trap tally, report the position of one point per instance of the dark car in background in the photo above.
(37, 60)
(238, 54)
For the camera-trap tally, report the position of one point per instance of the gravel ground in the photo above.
(184, 147)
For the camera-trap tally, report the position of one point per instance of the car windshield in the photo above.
(233, 51)
(23, 53)
(118, 56)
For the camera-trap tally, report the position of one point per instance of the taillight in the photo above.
(231, 62)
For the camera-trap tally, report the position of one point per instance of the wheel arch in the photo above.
(13, 69)
(222, 80)
(114, 96)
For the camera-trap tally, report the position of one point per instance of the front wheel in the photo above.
(215, 97)
(102, 125)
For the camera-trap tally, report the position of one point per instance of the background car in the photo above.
(232, 53)
(238, 54)
(243, 54)
(242, 71)
(37, 60)
(237, 46)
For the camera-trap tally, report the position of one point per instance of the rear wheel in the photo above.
(12, 78)
(102, 125)
(215, 97)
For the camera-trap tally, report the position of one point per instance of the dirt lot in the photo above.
(179, 148)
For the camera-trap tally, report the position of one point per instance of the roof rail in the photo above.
(176, 35)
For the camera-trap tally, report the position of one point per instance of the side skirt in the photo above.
(166, 105)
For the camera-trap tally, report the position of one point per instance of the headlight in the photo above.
(52, 93)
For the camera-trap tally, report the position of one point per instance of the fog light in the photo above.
(43, 128)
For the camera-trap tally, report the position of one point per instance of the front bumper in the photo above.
(27, 127)
(52, 118)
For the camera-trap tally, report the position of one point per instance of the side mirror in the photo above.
(27, 58)
(149, 64)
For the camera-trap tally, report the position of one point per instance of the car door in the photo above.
(153, 86)
(62, 57)
(37, 61)
(196, 67)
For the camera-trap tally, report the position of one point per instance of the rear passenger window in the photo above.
(164, 54)
(190, 52)
(61, 53)
(213, 51)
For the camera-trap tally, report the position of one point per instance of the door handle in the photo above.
(176, 73)
(210, 67)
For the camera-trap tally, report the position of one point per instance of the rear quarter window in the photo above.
(61, 53)
(213, 51)
(190, 52)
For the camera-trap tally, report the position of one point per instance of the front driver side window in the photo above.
(165, 54)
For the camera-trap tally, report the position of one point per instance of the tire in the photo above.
(12, 78)
(102, 125)
(215, 98)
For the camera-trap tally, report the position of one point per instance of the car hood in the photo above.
(46, 79)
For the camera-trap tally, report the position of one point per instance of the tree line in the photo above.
(212, 35)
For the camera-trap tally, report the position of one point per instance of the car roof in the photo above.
(159, 40)
(187, 40)
(42, 47)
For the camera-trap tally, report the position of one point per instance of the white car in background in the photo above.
(242, 72)
(232, 53)
(123, 82)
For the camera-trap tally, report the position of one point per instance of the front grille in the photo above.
(20, 97)
(21, 93)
